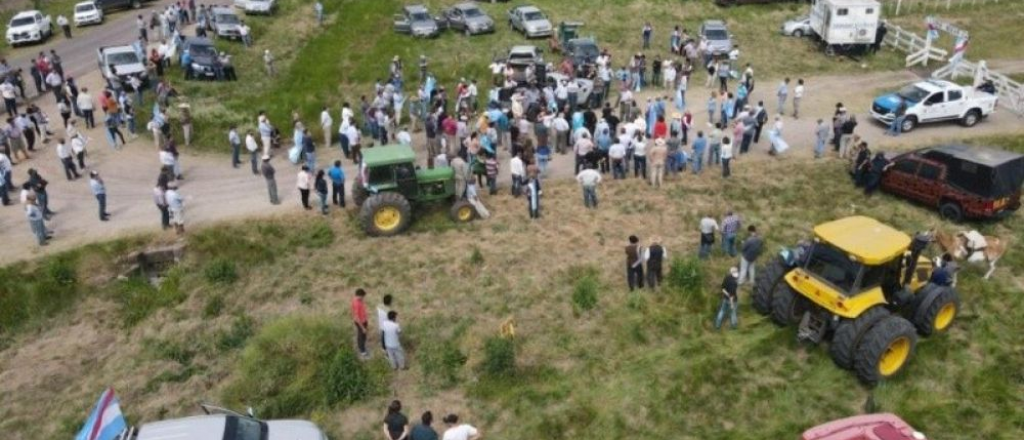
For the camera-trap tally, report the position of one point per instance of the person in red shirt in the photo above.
(660, 128)
(359, 318)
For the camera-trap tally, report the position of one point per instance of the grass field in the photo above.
(257, 315)
(340, 61)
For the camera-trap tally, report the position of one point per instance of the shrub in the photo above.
(441, 362)
(476, 257)
(686, 280)
(214, 305)
(347, 379)
(316, 235)
(584, 293)
(241, 330)
(37, 294)
(139, 299)
(499, 357)
(221, 271)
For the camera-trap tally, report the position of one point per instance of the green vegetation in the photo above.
(36, 295)
(138, 298)
(499, 357)
(585, 288)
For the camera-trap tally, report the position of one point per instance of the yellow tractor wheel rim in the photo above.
(387, 218)
(894, 357)
(465, 213)
(945, 316)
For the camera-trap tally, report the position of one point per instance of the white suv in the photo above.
(29, 27)
(88, 13)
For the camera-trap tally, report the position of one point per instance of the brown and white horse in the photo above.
(956, 246)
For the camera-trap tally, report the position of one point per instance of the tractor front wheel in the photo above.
(936, 310)
(767, 281)
(849, 334)
(788, 307)
(462, 212)
(385, 214)
(885, 350)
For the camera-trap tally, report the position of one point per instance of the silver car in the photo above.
(717, 35)
(797, 27)
(530, 21)
(416, 21)
(468, 18)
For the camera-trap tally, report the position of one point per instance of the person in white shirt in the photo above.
(67, 160)
(726, 156)
(561, 127)
(236, 146)
(302, 182)
(62, 21)
(403, 137)
(391, 333)
(8, 92)
(167, 159)
(517, 169)
(617, 155)
(456, 431)
(78, 149)
(708, 226)
(176, 207)
(639, 144)
(86, 106)
(382, 316)
(588, 179)
(798, 95)
(326, 122)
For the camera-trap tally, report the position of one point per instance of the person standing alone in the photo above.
(303, 181)
(359, 319)
(99, 189)
(268, 175)
(728, 304)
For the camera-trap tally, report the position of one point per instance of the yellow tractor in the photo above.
(865, 286)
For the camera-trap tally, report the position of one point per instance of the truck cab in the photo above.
(934, 101)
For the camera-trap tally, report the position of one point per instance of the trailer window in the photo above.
(842, 12)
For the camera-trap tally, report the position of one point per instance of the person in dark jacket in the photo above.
(878, 167)
(654, 255)
(750, 250)
(320, 185)
(861, 165)
(634, 263)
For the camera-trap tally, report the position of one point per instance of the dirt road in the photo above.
(216, 192)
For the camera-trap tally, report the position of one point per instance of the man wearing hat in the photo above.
(268, 174)
(729, 299)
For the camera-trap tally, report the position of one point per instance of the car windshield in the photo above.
(240, 428)
(22, 21)
(833, 266)
(85, 8)
(122, 58)
(471, 13)
(198, 50)
(420, 16)
(531, 16)
(716, 34)
(913, 93)
(227, 19)
(587, 50)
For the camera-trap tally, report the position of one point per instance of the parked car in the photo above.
(117, 63)
(520, 58)
(29, 27)
(798, 27)
(718, 36)
(935, 101)
(226, 23)
(582, 51)
(530, 21)
(88, 13)
(266, 7)
(468, 18)
(749, 2)
(417, 21)
(205, 61)
(108, 5)
(960, 181)
(864, 427)
(219, 424)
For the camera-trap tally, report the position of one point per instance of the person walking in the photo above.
(396, 424)
(38, 184)
(588, 179)
(646, 33)
(456, 431)
(268, 63)
(798, 96)
(99, 189)
(320, 185)
(392, 343)
(303, 182)
(236, 146)
(726, 157)
(67, 160)
(36, 220)
(65, 26)
(729, 299)
(730, 229)
(821, 134)
(533, 195)
(423, 431)
(358, 307)
(707, 228)
(657, 156)
(634, 263)
(268, 175)
(337, 175)
(749, 253)
(176, 207)
(782, 93)
(160, 200)
(655, 254)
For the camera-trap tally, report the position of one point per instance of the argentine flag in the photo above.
(106, 421)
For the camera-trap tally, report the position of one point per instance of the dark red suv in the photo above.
(961, 181)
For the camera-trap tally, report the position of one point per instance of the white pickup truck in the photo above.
(934, 101)
(29, 27)
(117, 63)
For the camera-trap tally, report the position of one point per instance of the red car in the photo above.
(960, 181)
(867, 427)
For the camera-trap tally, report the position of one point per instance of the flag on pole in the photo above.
(959, 49)
(106, 421)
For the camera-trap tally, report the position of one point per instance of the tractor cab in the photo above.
(568, 30)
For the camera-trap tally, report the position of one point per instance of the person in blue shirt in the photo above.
(699, 145)
(944, 274)
(337, 176)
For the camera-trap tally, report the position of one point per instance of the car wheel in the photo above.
(830, 50)
(909, 123)
(972, 117)
(951, 211)
(798, 33)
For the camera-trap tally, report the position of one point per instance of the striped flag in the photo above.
(106, 421)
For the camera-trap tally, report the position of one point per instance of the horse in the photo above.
(956, 246)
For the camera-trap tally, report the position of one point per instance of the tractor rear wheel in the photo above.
(359, 192)
(462, 212)
(849, 334)
(767, 280)
(936, 309)
(885, 350)
(788, 307)
(385, 214)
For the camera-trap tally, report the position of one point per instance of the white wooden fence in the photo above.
(1010, 92)
(920, 50)
(896, 7)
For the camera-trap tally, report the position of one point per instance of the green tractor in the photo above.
(388, 183)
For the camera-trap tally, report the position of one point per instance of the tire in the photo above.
(885, 350)
(385, 214)
(766, 282)
(799, 33)
(359, 192)
(937, 309)
(462, 212)
(787, 305)
(830, 50)
(909, 124)
(951, 211)
(849, 333)
(971, 118)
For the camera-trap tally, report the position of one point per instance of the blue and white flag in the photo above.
(106, 421)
